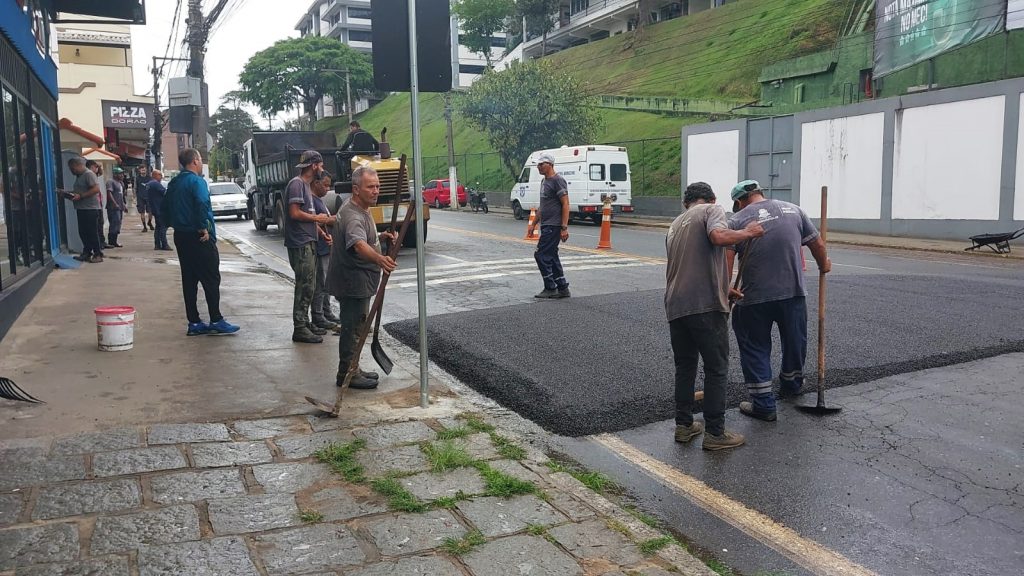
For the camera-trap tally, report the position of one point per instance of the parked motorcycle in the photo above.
(477, 200)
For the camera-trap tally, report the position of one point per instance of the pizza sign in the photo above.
(117, 114)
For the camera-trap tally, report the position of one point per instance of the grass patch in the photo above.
(507, 448)
(556, 466)
(464, 545)
(536, 529)
(719, 568)
(342, 459)
(311, 516)
(453, 433)
(639, 515)
(445, 456)
(500, 484)
(595, 481)
(449, 502)
(618, 527)
(475, 424)
(649, 547)
(398, 497)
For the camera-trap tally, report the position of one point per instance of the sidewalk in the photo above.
(193, 456)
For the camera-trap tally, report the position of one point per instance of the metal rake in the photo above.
(11, 391)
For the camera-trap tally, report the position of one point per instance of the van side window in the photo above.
(446, 184)
(525, 176)
(618, 172)
(597, 171)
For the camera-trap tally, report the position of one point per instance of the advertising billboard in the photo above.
(910, 31)
(121, 114)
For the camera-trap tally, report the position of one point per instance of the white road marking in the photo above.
(490, 265)
(492, 275)
(447, 257)
(803, 551)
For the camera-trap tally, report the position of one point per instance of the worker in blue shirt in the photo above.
(187, 209)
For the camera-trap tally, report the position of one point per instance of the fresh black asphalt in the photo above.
(604, 363)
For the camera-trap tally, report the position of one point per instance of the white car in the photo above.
(228, 199)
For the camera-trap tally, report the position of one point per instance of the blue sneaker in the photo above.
(197, 328)
(222, 326)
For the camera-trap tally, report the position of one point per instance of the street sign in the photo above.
(123, 114)
(390, 31)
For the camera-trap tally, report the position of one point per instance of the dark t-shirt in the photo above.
(697, 279)
(140, 187)
(296, 233)
(348, 275)
(774, 271)
(83, 183)
(155, 193)
(551, 192)
(115, 196)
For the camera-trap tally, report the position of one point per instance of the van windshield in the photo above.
(618, 172)
(525, 176)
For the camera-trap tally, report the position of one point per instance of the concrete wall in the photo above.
(714, 158)
(942, 164)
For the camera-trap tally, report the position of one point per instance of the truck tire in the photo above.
(517, 210)
(279, 216)
(410, 236)
(258, 223)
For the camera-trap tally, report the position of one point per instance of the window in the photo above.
(579, 5)
(447, 185)
(360, 36)
(618, 172)
(597, 171)
(525, 176)
(17, 253)
(498, 42)
(471, 69)
(363, 13)
(30, 185)
(432, 185)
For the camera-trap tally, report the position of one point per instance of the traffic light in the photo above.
(391, 45)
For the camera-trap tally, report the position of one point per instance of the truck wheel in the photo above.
(517, 210)
(410, 236)
(279, 216)
(257, 223)
(596, 218)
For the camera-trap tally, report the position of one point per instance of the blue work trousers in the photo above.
(547, 258)
(753, 327)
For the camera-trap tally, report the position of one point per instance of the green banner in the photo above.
(909, 31)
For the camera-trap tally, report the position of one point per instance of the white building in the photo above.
(349, 21)
(583, 21)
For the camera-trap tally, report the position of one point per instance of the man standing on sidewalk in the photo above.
(141, 202)
(323, 317)
(697, 304)
(97, 169)
(553, 216)
(773, 293)
(300, 236)
(115, 206)
(155, 193)
(188, 211)
(87, 208)
(354, 273)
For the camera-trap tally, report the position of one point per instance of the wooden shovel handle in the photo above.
(821, 295)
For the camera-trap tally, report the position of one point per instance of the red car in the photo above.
(438, 193)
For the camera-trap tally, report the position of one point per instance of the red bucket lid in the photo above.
(112, 310)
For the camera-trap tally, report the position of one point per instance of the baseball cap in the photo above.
(308, 158)
(743, 188)
(118, 170)
(546, 158)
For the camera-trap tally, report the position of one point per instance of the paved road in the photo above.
(923, 480)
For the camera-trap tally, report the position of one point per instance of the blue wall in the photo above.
(17, 26)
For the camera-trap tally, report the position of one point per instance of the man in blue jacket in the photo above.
(155, 193)
(187, 209)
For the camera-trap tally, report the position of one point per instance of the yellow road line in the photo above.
(805, 552)
(580, 249)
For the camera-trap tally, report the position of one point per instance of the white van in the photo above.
(589, 172)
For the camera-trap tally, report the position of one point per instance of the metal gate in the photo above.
(770, 155)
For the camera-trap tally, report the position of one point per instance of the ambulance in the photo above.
(590, 172)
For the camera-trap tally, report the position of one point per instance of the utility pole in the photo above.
(198, 33)
(453, 179)
(348, 89)
(158, 131)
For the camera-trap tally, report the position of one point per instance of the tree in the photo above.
(480, 20)
(530, 106)
(230, 127)
(294, 69)
(539, 18)
(233, 99)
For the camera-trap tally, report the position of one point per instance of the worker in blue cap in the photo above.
(773, 290)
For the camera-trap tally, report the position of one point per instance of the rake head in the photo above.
(10, 391)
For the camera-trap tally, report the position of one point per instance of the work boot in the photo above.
(686, 433)
(563, 293)
(326, 325)
(330, 317)
(548, 294)
(370, 375)
(747, 409)
(724, 442)
(315, 329)
(305, 336)
(359, 382)
(96, 258)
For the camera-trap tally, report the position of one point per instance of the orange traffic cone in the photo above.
(531, 226)
(605, 242)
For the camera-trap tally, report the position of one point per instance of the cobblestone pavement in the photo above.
(307, 495)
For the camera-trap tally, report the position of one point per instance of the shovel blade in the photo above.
(381, 357)
(819, 410)
(323, 406)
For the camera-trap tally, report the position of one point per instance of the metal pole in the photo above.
(453, 177)
(417, 158)
(348, 95)
(157, 127)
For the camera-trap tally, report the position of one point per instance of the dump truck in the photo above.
(268, 160)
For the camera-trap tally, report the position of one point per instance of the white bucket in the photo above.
(115, 328)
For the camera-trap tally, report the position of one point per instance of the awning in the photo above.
(123, 11)
(100, 155)
(76, 134)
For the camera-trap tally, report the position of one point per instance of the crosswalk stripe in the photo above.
(492, 275)
(434, 271)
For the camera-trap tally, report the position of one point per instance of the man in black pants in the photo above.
(553, 216)
(187, 209)
(87, 209)
(697, 305)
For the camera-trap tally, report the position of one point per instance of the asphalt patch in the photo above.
(604, 363)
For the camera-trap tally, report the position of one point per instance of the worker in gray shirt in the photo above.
(86, 196)
(300, 236)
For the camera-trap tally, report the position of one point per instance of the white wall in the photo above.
(714, 158)
(844, 154)
(1018, 198)
(947, 161)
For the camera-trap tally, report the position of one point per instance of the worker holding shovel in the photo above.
(773, 293)
(355, 269)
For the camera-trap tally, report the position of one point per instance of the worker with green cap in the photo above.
(115, 206)
(773, 290)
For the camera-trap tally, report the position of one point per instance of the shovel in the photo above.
(10, 391)
(379, 356)
(820, 409)
(364, 331)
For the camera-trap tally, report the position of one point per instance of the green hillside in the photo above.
(716, 54)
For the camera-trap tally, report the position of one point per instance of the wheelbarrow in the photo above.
(998, 242)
